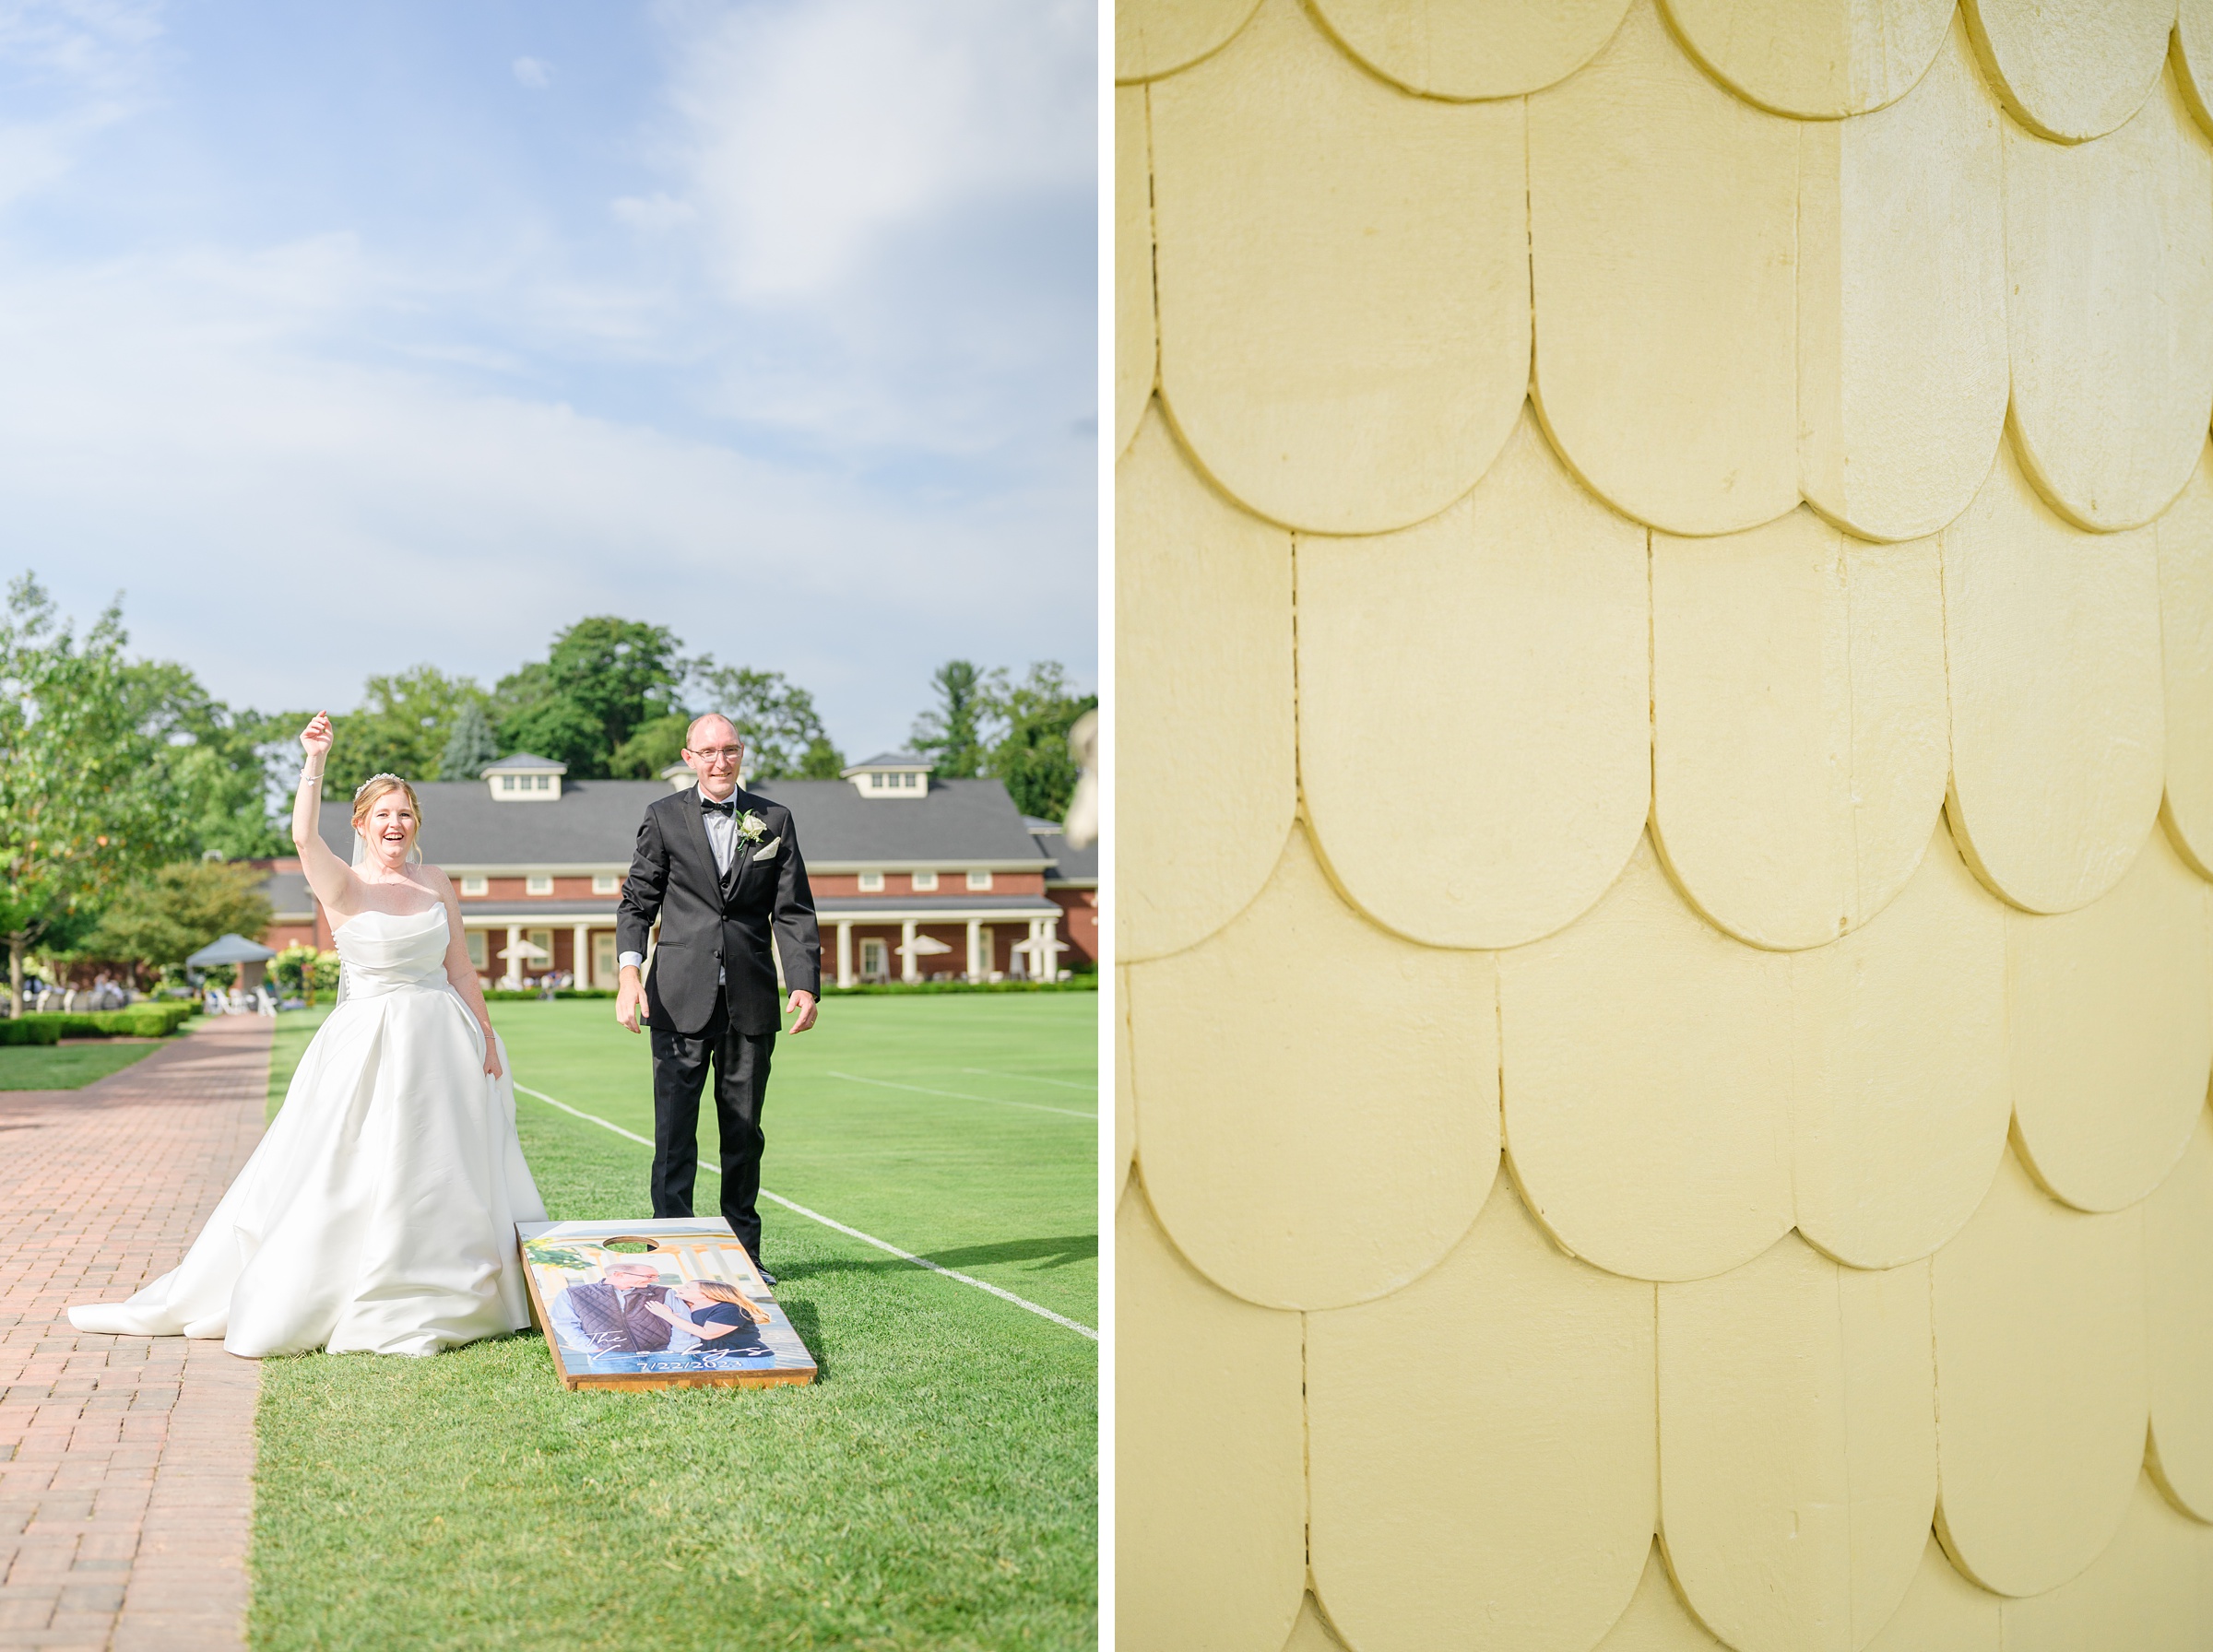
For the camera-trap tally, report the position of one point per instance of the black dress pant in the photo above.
(680, 1073)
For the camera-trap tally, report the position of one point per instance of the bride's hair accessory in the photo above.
(364, 799)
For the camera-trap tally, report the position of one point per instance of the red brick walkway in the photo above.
(126, 1463)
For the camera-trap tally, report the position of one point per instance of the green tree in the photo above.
(783, 733)
(1031, 753)
(470, 745)
(603, 680)
(402, 726)
(161, 920)
(83, 805)
(952, 732)
(215, 762)
(821, 760)
(653, 748)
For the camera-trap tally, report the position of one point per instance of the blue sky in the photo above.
(341, 338)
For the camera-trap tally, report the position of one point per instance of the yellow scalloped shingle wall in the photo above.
(1665, 825)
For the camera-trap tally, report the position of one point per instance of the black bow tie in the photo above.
(729, 806)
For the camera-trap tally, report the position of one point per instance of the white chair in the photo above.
(215, 1005)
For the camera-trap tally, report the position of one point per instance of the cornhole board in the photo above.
(558, 1255)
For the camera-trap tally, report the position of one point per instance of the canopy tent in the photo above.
(248, 955)
(230, 949)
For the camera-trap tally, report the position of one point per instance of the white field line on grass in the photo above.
(985, 1072)
(996, 1101)
(905, 1256)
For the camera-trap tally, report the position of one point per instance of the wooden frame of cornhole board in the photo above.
(694, 1248)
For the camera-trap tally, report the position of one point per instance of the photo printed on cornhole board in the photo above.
(672, 1304)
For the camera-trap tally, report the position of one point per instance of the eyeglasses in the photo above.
(721, 754)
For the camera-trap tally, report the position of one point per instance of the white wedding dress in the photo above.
(378, 1213)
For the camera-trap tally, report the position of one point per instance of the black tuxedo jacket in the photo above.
(710, 922)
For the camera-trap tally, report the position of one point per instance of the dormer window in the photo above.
(891, 774)
(523, 778)
(925, 881)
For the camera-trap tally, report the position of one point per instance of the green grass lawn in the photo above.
(66, 1066)
(935, 1489)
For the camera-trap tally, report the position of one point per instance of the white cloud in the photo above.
(834, 387)
(69, 70)
(654, 212)
(814, 131)
(289, 525)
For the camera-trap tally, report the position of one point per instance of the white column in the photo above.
(513, 977)
(1049, 944)
(975, 950)
(910, 962)
(845, 952)
(580, 958)
(1032, 959)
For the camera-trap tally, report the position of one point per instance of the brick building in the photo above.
(898, 861)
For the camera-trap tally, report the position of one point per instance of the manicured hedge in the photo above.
(140, 1020)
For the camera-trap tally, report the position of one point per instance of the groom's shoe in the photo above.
(766, 1277)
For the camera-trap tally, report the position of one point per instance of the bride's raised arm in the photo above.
(329, 876)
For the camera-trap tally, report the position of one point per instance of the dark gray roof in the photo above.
(288, 896)
(592, 822)
(1069, 865)
(954, 821)
(891, 760)
(595, 822)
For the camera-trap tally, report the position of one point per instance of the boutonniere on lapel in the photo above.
(752, 829)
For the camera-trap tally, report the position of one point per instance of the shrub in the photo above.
(300, 970)
(26, 1030)
(140, 1020)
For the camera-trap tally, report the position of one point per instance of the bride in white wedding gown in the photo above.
(378, 1213)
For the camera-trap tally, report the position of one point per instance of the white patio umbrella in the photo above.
(520, 954)
(924, 946)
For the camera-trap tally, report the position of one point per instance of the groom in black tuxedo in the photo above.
(720, 869)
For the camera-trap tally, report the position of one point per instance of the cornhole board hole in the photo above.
(687, 1326)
